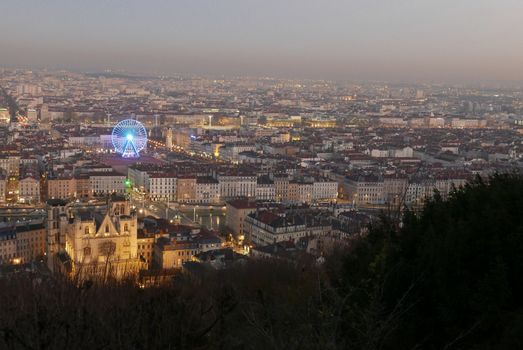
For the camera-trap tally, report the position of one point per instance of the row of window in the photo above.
(3, 257)
(186, 253)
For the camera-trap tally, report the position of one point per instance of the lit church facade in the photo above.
(101, 244)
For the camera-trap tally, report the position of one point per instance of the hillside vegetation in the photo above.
(449, 278)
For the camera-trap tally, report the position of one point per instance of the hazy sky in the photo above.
(344, 39)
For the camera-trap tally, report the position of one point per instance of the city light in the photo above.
(342, 174)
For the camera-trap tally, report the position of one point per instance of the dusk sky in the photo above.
(333, 39)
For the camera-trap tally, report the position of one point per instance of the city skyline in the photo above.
(239, 174)
(468, 41)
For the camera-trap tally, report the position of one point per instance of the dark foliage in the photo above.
(269, 305)
(449, 278)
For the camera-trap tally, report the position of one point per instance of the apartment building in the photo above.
(162, 187)
(105, 183)
(266, 227)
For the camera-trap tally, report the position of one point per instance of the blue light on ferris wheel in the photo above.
(129, 137)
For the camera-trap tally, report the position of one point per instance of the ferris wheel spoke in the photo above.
(129, 137)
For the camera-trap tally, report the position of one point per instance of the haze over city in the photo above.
(403, 40)
(244, 175)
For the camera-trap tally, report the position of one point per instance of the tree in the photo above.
(449, 278)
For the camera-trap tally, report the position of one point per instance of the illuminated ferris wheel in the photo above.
(129, 138)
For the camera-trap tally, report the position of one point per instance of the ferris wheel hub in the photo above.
(129, 137)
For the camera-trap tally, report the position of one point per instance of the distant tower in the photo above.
(45, 116)
(169, 138)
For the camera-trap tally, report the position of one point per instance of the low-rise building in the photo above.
(29, 190)
(265, 189)
(237, 211)
(8, 250)
(267, 227)
(237, 186)
(186, 189)
(162, 187)
(323, 190)
(365, 190)
(105, 183)
(231, 152)
(281, 187)
(299, 192)
(61, 187)
(145, 244)
(207, 190)
(170, 254)
(30, 241)
(83, 186)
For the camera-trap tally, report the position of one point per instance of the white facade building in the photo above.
(162, 187)
(207, 190)
(105, 183)
(324, 190)
(29, 190)
(235, 186)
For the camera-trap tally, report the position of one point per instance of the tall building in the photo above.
(169, 138)
(281, 187)
(45, 116)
